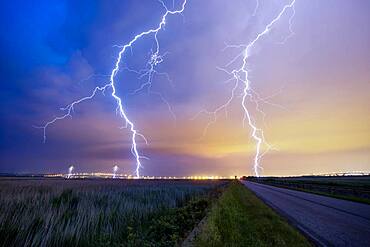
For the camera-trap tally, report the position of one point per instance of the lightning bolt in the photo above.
(70, 170)
(115, 169)
(257, 133)
(240, 76)
(156, 58)
(256, 8)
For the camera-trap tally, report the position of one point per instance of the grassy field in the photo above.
(57, 212)
(354, 188)
(239, 218)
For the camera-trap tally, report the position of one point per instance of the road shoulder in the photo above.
(239, 218)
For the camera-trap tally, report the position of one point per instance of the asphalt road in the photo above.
(328, 221)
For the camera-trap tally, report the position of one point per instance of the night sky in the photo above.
(53, 52)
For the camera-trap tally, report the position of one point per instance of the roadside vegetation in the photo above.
(239, 218)
(57, 212)
(352, 188)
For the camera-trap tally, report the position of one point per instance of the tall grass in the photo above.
(239, 218)
(50, 212)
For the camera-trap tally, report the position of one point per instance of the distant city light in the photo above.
(116, 175)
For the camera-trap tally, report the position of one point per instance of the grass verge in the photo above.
(239, 218)
(343, 197)
(172, 226)
(351, 188)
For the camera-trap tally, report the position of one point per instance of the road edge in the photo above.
(316, 240)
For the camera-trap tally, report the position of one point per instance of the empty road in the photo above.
(328, 221)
